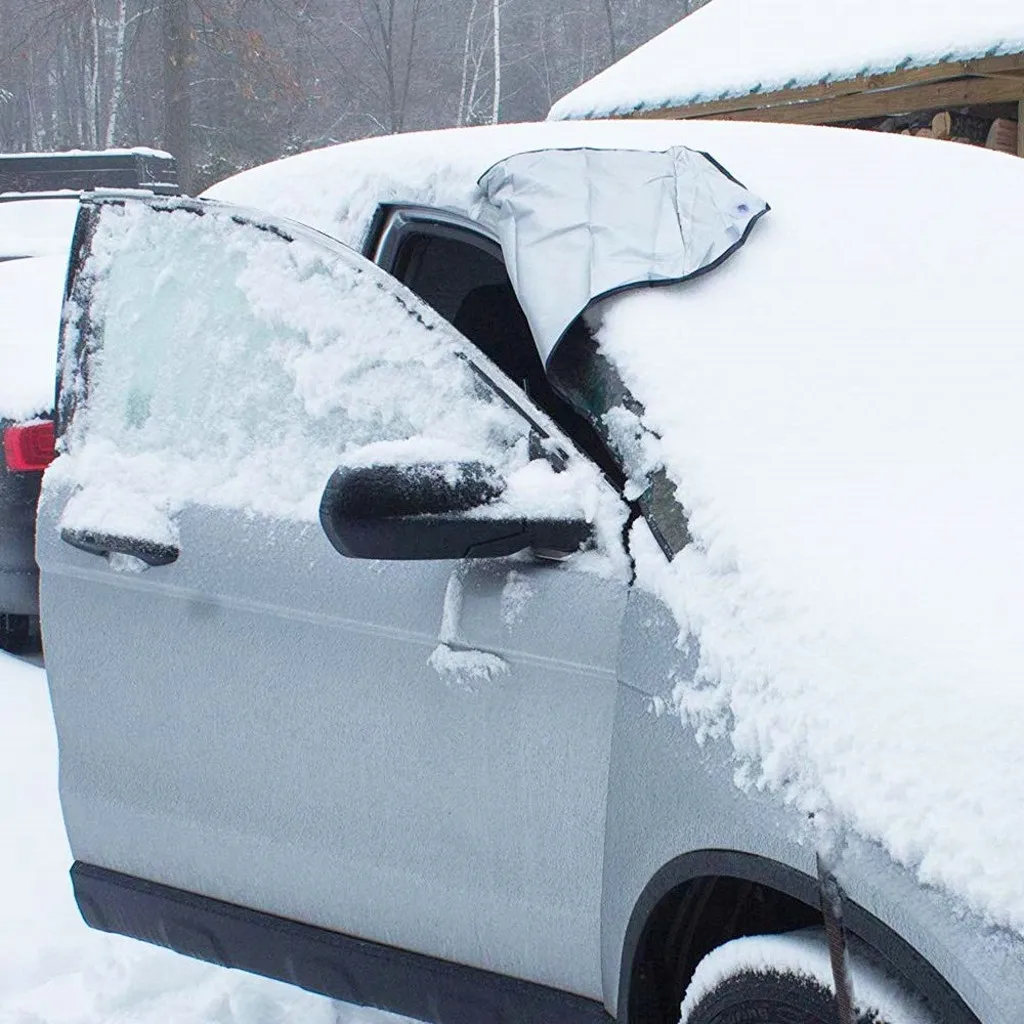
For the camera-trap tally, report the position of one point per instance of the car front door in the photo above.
(413, 752)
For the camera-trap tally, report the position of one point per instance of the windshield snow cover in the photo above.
(843, 420)
(609, 220)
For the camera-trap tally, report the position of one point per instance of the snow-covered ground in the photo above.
(54, 970)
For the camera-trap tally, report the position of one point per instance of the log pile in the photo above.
(998, 133)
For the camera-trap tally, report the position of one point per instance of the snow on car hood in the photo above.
(31, 294)
(840, 407)
(609, 219)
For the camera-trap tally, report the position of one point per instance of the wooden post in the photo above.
(1020, 128)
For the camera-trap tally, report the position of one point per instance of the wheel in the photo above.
(787, 979)
(749, 997)
(16, 633)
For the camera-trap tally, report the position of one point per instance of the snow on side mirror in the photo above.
(434, 510)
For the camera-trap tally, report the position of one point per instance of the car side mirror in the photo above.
(434, 511)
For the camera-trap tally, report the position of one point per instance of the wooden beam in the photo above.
(882, 103)
(1020, 128)
(986, 66)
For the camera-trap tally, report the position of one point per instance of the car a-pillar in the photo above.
(700, 901)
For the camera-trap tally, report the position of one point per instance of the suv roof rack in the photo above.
(83, 171)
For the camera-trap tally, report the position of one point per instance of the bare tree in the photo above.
(496, 107)
(177, 105)
(387, 30)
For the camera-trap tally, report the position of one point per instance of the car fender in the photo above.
(675, 813)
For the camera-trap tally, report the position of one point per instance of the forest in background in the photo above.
(227, 84)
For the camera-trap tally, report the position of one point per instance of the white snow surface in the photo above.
(839, 407)
(55, 970)
(804, 954)
(36, 226)
(31, 293)
(731, 48)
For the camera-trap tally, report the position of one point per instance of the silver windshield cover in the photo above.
(579, 224)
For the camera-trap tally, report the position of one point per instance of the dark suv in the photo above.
(38, 204)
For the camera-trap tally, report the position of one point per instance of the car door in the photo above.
(413, 752)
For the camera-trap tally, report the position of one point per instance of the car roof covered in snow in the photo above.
(732, 48)
(338, 190)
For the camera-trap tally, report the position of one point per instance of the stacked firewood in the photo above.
(998, 133)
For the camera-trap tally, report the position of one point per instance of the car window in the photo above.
(457, 275)
(212, 359)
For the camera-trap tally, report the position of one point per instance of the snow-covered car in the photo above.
(38, 206)
(673, 641)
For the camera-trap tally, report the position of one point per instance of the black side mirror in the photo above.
(423, 511)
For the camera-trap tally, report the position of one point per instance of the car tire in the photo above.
(767, 998)
(787, 979)
(16, 633)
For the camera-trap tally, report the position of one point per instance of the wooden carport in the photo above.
(989, 88)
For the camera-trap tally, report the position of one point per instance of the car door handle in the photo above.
(148, 551)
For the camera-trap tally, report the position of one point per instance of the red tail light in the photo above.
(28, 447)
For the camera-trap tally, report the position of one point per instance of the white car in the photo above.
(442, 617)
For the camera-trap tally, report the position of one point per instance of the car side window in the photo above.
(463, 277)
(210, 358)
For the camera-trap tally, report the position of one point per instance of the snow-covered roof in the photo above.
(732, 48)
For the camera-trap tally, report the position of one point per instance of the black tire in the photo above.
(773, 998)
(16, 633)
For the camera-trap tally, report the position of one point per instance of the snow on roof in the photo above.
(338, 190)
(732, 48)
(133, 151)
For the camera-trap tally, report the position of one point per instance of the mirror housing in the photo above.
(420, 512)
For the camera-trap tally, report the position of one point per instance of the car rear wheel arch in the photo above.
(700, 900)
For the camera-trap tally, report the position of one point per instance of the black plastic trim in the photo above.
(322, 961)
(151, 552)
(903, 958)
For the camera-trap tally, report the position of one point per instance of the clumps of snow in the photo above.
(31, 292)
(515, 595)
(636, 446)
(461, 667)
(233, 368)
(844, 440)
(734, 47)
(877, 995)
(464, 668)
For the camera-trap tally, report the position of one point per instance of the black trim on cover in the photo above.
(905, 961)
(321, 961)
